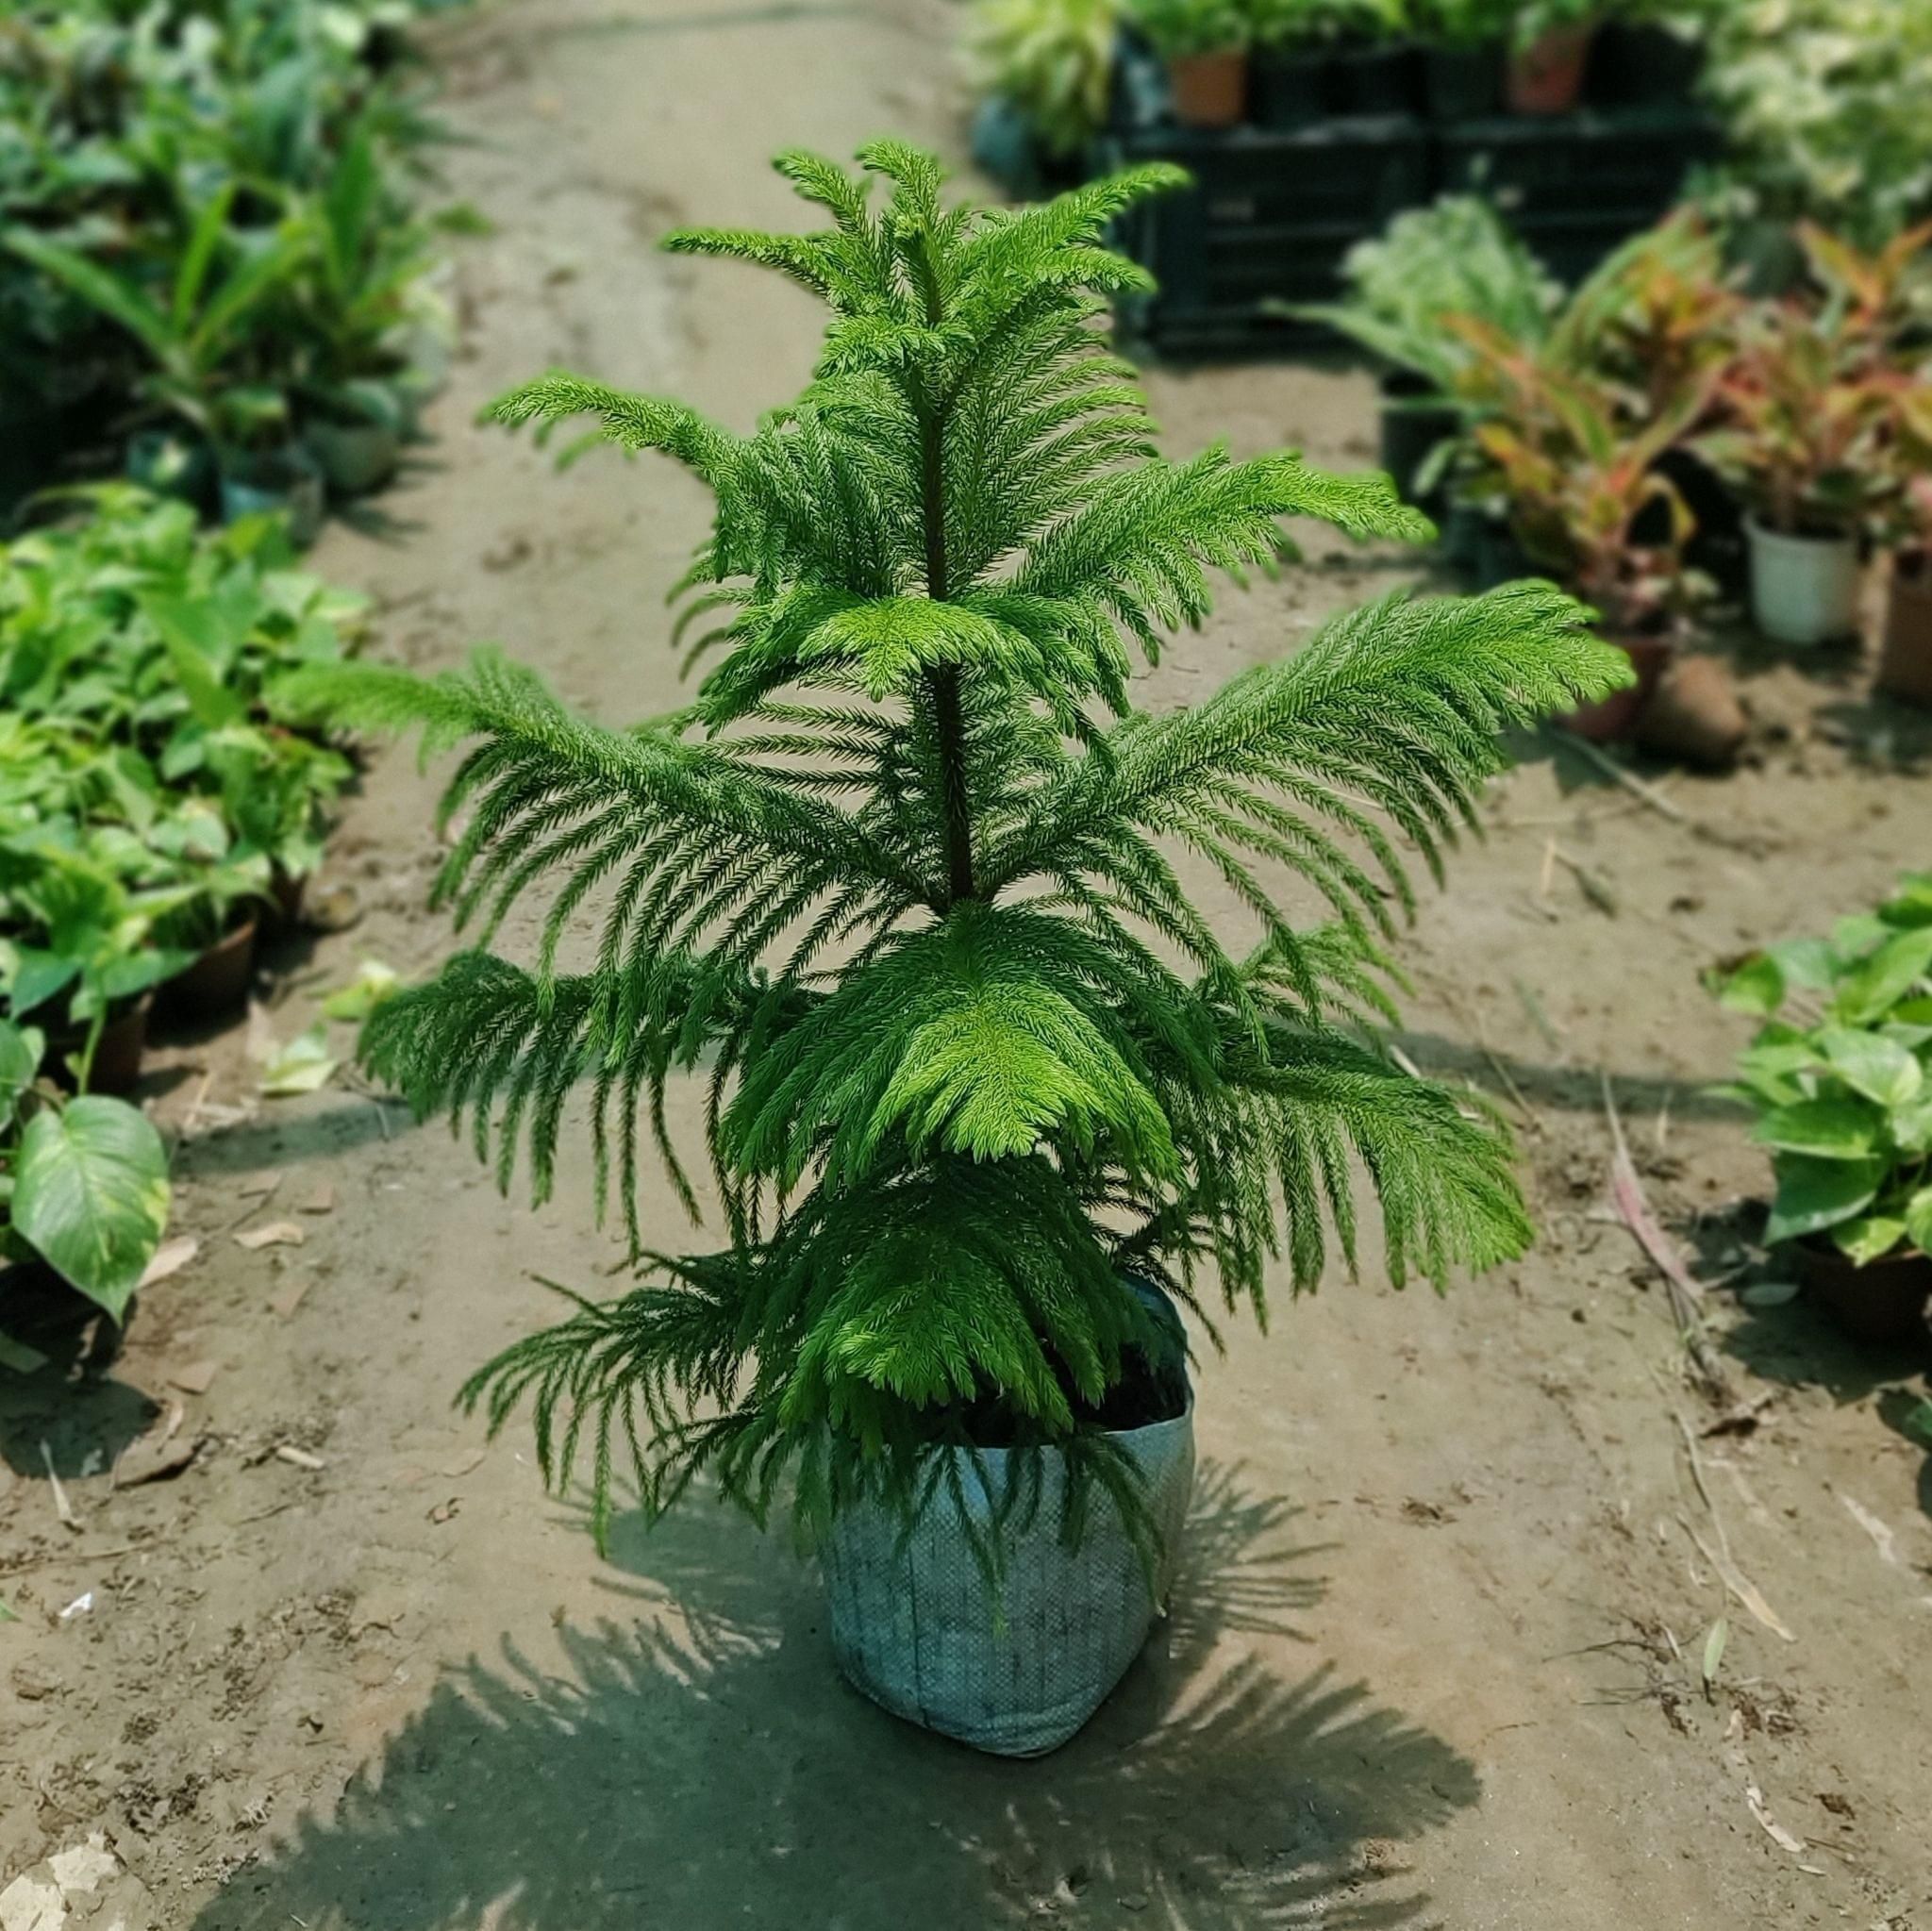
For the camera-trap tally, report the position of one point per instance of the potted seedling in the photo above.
(1840, 1080)
(197, 335)
(1551, 55)
(83, 1182)
(1456, 258)
(1807, 412)
(353, 309)
(1204, 45)
(1315, 58)
(992, 1099)
(80, 900)
(1046, 68)
(1582, 489)
(1465, 47)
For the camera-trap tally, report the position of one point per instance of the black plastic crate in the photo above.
(1630, 168)
(1266, 223)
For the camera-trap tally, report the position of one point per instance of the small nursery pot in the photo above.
(1464, 83)
(1410, 434)
(915, 1629)
(1905, 668)
(1546, 76)
(1804, 589)
(1635, 64)
(284, 482)
(1882, 1302)
(116, 1070)
(170, 465)
(354, 458)
(1616, 717)
(1375, 77)
(1289, 88)
(283, 912)
(1208, 90)
(216, 984)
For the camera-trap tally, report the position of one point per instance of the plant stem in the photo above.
(942, 680)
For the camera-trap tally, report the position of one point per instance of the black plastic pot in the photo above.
(1639, 66)
(1499, 557)
(1412, 431)
(1289, 88)
(1375, 77)
(1464, 83)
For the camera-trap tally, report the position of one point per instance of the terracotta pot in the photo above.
(1905, 668)
(216, 984)
(1883, 1302)
(1546, 76)
(1616, 715)
(117, 1058)
(1208, 90)
(1694, 715)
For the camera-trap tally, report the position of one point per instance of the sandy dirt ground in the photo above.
(1438, 1658)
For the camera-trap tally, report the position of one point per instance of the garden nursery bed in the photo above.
(1496, 1613)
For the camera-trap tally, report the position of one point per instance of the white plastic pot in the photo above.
(1804, 590)
(915, 1629)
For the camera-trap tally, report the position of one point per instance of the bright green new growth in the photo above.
(901, 884)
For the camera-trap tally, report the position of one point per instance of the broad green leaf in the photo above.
(1879, 1068)
(305, 1065)
(1816, 1194)
(1757, 986)
(193, 630)
(1874, 988)
(1919, 1219)
(21, 1051)
(1805, 963)
(1853, 937)
(1920, 1422)
(1831, 1129)
(1912, 907)
(37, 977)
(1912, 1125)
(1870, 1238)
(1913, 1012)
(90, 1194)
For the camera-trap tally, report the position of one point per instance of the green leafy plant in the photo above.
(1464, 22)
(1581, 484)
(899, 884)
(1825, 101)
(1053, 59)
(1295, 22)
(1178, 29)
(1456, 258)
(195, 333)
(83, 1181)
(1819, 390)
(144, 635)
(1840, 1077)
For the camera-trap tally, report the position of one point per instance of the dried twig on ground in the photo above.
(1686, 1295)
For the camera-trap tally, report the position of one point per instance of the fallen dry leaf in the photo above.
(465, 1464)
(445, 1512)
(164, 1451)
(260, 1184)
(276, 1234)
(171, 1256)
(322, 1201)
(196, 1378)
(298, 1457)
(290, 1298)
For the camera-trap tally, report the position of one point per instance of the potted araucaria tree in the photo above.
(990, 1098)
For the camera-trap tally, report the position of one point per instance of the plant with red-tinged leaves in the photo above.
(1586, 500)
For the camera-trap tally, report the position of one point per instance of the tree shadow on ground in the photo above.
(704, 1767)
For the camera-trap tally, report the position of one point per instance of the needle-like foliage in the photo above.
(901, 884)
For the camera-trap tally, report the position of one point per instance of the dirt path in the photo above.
(1439, 1660)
